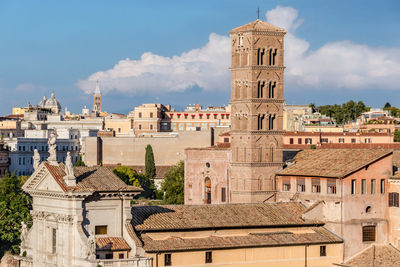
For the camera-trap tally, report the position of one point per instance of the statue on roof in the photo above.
(69, 168)
(36, 159)
(52, 159)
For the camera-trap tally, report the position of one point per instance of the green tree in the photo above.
(344, 113)
(150, 166)
(387, 105)
(80, 162)
(131, 177)
(173, 184)
(397, 136)
(14, 208)
(127, 174)
(313, 107)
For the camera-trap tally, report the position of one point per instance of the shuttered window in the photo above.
(368, 233)
(393, 199)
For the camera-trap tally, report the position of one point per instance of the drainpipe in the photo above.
(305, 255)
(341, 215)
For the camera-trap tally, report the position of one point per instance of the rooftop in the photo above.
(184, 217)
(375, 256)
(333, 163)
(90, 179)
(258, 25)
(111, 244)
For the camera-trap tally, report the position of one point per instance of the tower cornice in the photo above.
(256, 100)
(258, 68)
(251, 132)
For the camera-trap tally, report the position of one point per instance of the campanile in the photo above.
(257, 110)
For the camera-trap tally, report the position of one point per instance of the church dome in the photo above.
(52, 104)
(43, 102)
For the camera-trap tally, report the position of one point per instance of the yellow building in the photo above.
(263, 234)
(18, 111)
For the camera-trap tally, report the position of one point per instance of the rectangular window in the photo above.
(353, 187)
(54, 241)
(291, 141)
(301, 185)
(382, 186)
(393, 199)
(368, 233)
(286, 184)
(322, 251)
(167, 260)
(208, 257)
(151, 114)
(331, 186)
(121, 255)
(308, 141)
(373, 186)
(140, 114)
(223, 194)
(100, 229)
(363, 186)
(299, 141)
(324, 140)
(109, 256)
(353, 140)
(316, 186)
(341, 140)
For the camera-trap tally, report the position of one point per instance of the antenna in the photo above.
(258, 13)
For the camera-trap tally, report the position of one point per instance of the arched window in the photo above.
(207, 191)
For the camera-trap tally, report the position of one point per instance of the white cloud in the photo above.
(206, 67)
(342, 64)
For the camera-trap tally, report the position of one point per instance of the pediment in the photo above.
(42, 180)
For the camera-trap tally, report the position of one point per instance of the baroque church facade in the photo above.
(255, 153)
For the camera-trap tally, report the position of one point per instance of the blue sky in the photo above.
(176, 51)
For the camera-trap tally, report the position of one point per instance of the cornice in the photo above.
(235, 132)
(256, 100)
(257, 164)
(258, 68)
(253, 32)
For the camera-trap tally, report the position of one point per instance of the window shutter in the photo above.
(390, 199)
(393, 199)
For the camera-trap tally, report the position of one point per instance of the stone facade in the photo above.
(257, 109)
(81, 217)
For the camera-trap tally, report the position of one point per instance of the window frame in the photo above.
(369, 233)
(208, 257)
(167, 259)
(322, 251)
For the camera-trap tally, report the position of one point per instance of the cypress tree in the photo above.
(150, 166)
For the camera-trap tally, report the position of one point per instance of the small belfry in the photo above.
(257, 110)
(97, 99)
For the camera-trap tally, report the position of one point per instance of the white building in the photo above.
(21, 148)
(81, 217)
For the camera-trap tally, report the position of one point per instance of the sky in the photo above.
(178, 52)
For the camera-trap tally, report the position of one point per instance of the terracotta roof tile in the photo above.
(111, 243)
(375, 255)
(133, 235)
(180, 217)
(314, 235)
(332, 162)
(258, 25)
(90, 179)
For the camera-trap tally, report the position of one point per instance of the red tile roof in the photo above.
(111, 244)
(375, 255)
(179, 217)
(314, 235)
(90, 179)
(334, 163)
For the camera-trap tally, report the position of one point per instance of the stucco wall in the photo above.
(131, 150)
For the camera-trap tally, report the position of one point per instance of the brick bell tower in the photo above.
(257, 110)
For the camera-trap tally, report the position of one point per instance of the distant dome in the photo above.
(43, 102)
(51, 104)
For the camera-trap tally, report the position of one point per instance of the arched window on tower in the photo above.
(271, 119)
(260, 121)
(271, 152)
(271, 91)
(207, 191)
